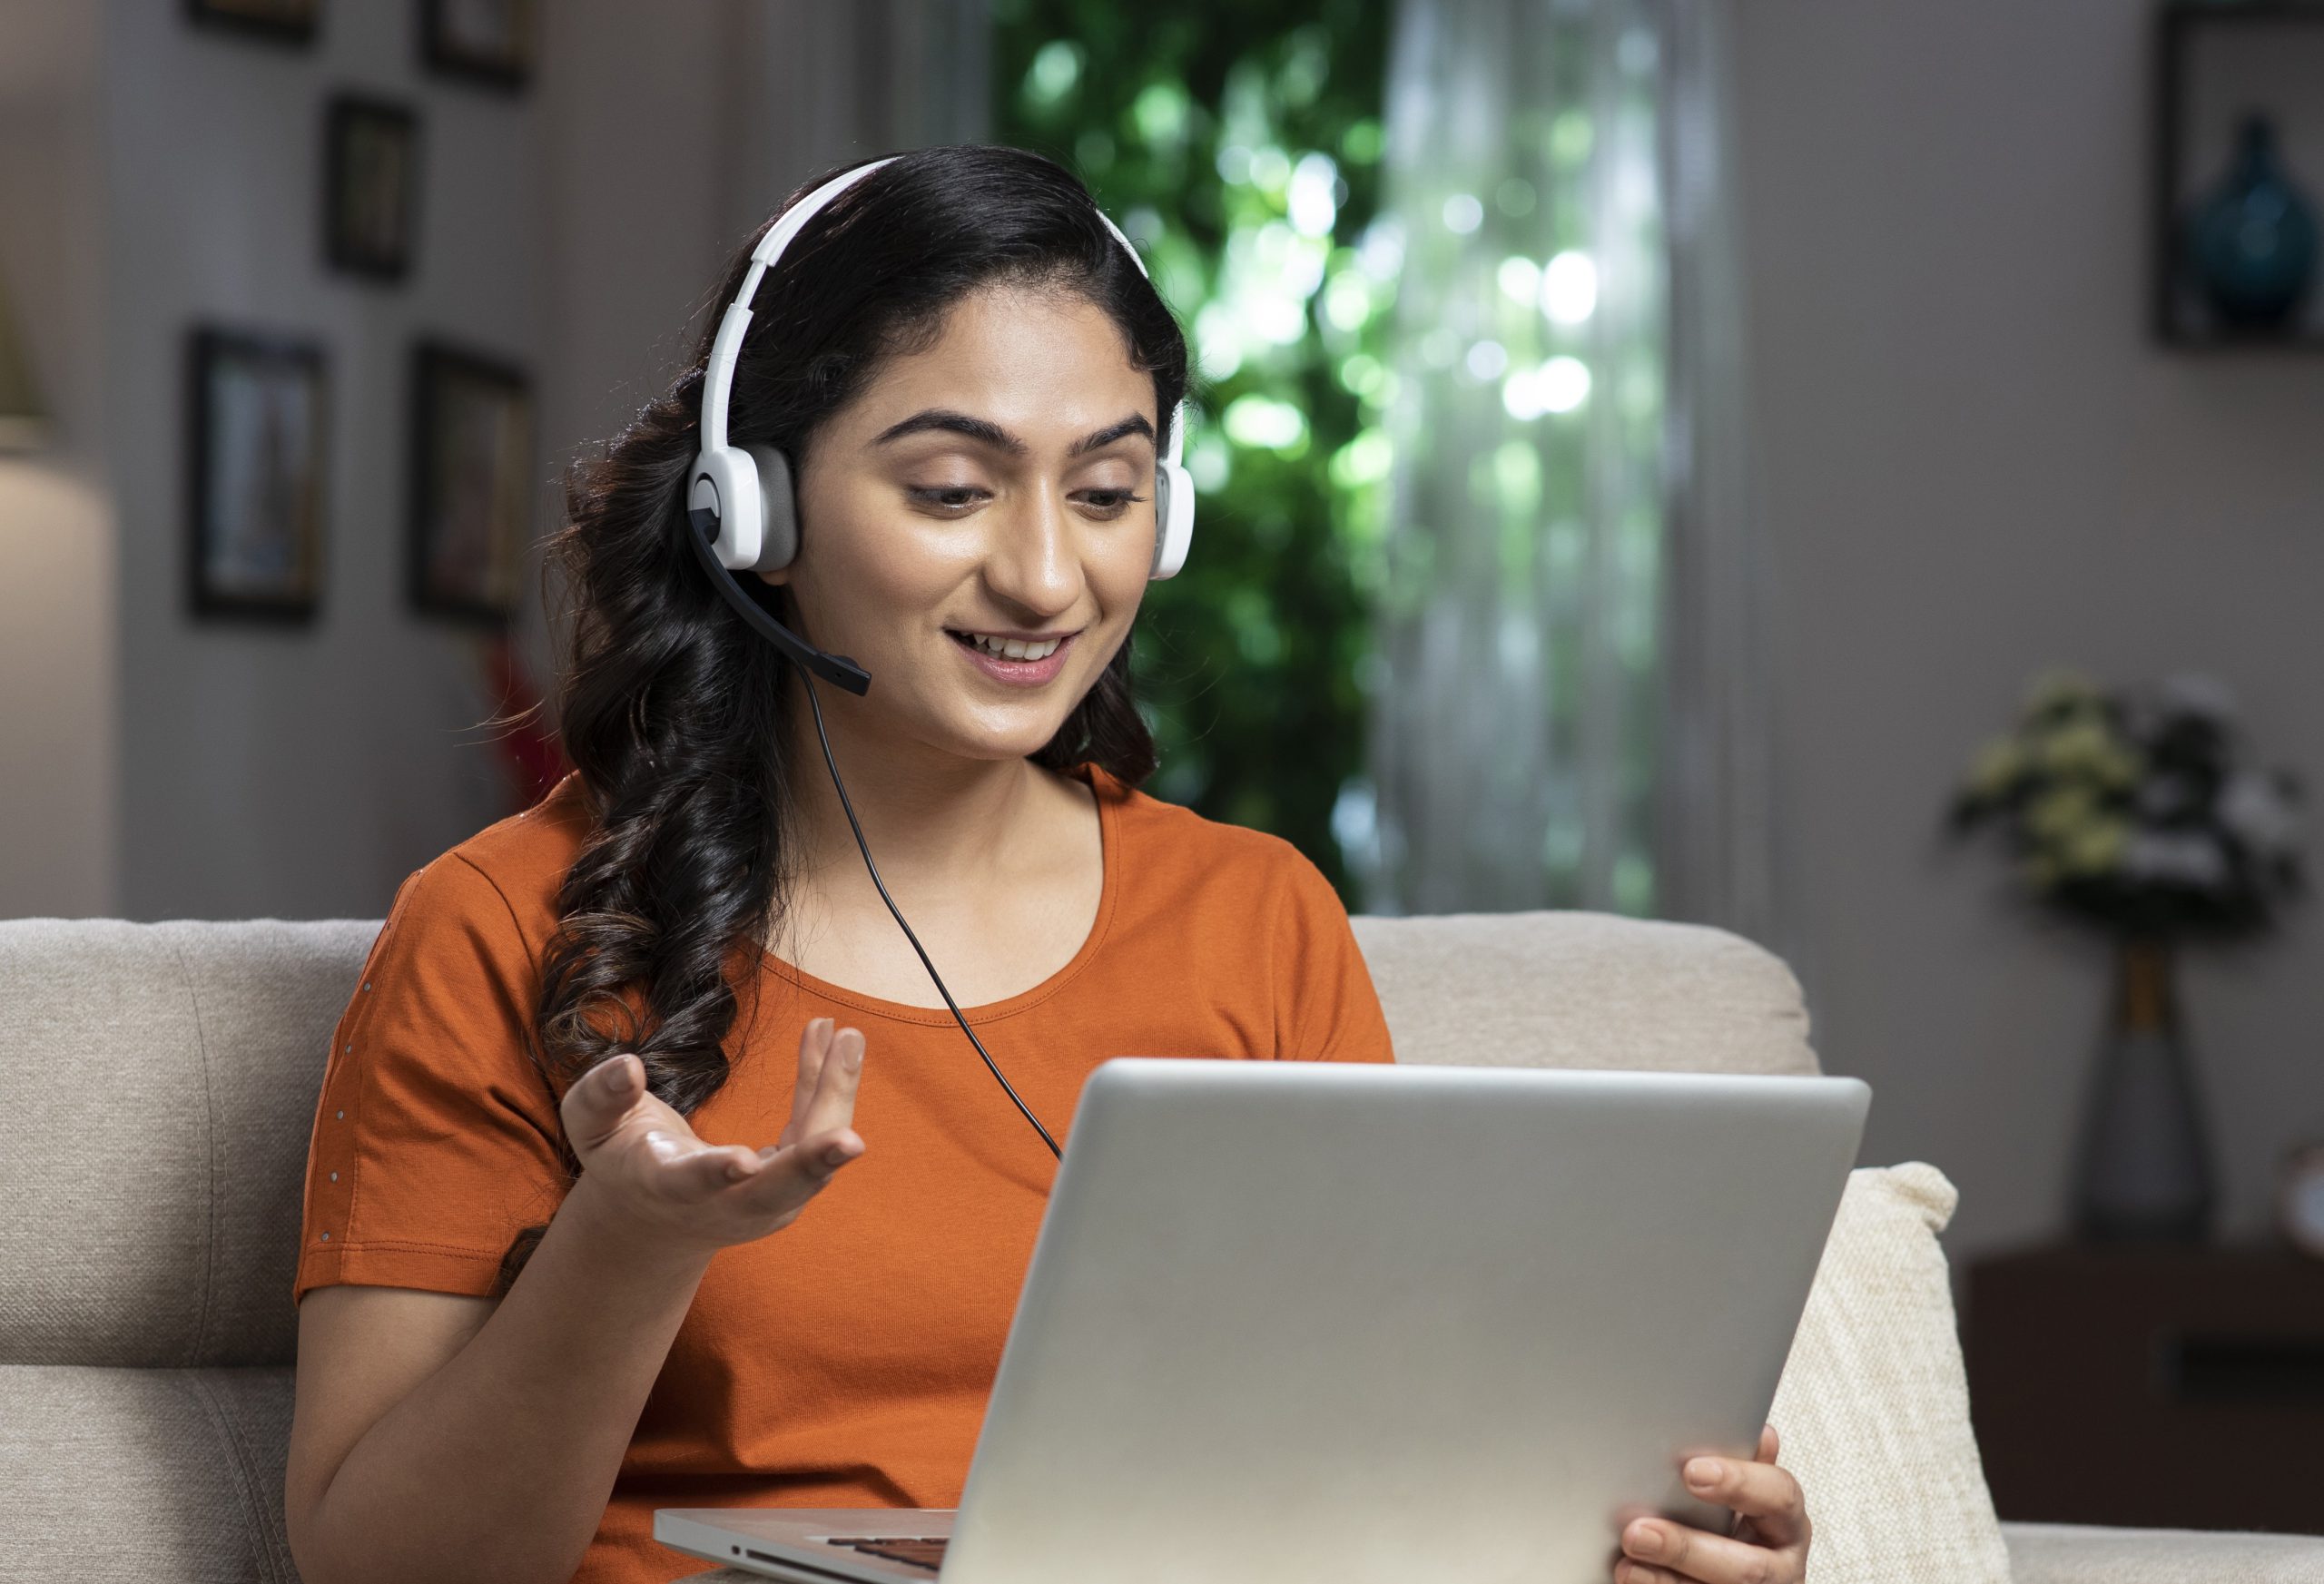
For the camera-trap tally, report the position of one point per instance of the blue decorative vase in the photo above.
(2252, 243)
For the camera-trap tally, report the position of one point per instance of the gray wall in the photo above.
(295, 771)
(1974, 465)
(154, 175)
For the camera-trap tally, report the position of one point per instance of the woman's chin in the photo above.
(982, 730)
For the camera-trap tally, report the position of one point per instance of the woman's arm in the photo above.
(451, 1438)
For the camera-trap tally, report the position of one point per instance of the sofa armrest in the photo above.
(2075, 1553)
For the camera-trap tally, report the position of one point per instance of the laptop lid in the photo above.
(1381, 1322)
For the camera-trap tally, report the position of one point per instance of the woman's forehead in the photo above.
(1044, 364)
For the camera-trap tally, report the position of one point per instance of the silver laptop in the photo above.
(1356, 1322)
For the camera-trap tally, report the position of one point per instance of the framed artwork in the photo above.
(290, 21)
(371, 185)
(488, 40)
(2237, 205)
(471, 489)
(258, 452)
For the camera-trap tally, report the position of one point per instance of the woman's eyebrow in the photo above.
(993, 435)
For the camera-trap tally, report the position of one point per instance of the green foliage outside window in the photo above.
(1240, 149)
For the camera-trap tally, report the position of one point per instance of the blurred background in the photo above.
(1852, 474)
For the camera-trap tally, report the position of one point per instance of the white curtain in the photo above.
(1570, 709)
(1718, 825)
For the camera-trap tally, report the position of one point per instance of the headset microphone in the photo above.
(743, 514)
(836, 669)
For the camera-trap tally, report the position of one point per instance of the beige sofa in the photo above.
(156, 1086)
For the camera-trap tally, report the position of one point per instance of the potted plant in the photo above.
(2138, 813)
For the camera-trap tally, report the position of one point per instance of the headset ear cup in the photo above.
(1174, 518)
(725, 488)
(779, 509)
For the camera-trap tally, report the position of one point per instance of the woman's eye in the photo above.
(948, 494)
(1113, 502)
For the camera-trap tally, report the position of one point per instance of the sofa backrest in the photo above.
(158, 1083)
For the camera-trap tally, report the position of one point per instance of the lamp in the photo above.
(24, 422)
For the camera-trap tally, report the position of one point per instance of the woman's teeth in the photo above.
(1010, 648)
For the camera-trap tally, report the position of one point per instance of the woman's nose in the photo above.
(1032, 562)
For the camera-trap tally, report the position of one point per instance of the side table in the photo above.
(2149, 1385)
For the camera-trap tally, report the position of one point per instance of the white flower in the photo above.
(2187, 858)
(2253, 812)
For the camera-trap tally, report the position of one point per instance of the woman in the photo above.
(551, 1276)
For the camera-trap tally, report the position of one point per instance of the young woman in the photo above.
(553, 1273)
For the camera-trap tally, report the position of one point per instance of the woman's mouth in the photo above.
(1020, 662)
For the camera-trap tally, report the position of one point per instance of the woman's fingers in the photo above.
(814, 1045)
(597, 1101)
(833, 1103)
(795, 1173)
(697, 1174)
(1673, 1550)
(1767, 1495)
(1773, 1552)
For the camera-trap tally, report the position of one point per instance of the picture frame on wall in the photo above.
(287, 21)
(471, 484)
(370, 186)
(258, 451)
(2237, 190)
(490, 42)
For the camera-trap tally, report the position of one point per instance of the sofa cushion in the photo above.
(1873, 1409)
(155, 1102)
(2073, 1553)
(173, 1474)
(1579, 990)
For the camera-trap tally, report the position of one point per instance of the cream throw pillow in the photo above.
(1873, 1408)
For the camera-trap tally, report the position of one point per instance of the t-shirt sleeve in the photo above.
(1325, 1007)
(436, 1139)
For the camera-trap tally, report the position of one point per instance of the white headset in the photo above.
(740, 498)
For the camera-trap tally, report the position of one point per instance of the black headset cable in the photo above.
(839, 786)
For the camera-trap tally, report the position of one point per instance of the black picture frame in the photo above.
(258, 462)
(491, 43)
(291, 22)
(2186, 155)
(469, 503)
(371, 163)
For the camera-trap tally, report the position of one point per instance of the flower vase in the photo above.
(2145, 1171)
(2252, 241)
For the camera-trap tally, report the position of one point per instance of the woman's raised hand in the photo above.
(649, 1172)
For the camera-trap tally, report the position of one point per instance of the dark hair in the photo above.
(674, 712)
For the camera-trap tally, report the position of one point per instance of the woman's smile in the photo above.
(1019, 660)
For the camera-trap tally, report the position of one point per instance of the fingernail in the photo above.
(1647, 1542)
(836, 1155)
(1703, 1473)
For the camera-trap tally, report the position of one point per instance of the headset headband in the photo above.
(718, 376)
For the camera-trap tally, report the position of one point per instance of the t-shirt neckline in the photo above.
(1108, 791)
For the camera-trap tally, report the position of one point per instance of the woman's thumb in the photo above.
(606, 1089)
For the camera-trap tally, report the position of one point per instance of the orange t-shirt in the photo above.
(845, 1359)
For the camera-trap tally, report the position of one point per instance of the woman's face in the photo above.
(994, 490)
